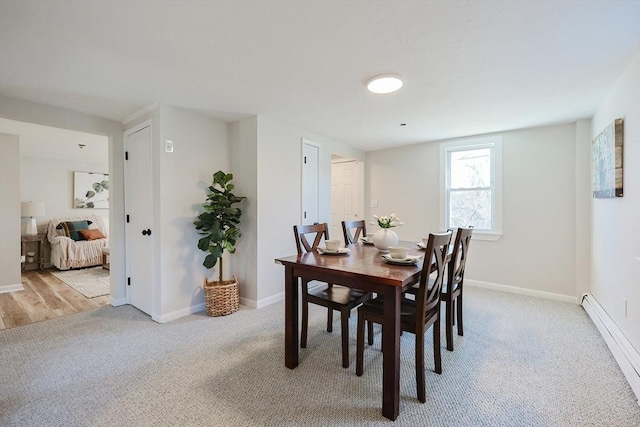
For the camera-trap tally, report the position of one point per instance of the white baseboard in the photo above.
(627, 357)
(179, 313)
(521, 291)
(116, 302)
(11, 288)
(270, 300)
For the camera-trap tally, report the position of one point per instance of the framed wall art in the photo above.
(607, 156)
(90, 190)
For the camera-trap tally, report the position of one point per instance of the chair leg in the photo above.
(360, 345)
(449, 309)
(305, 315)
(436, 346)
(459, 301)
(330, 320)
(420, 380)
(344, 324)
(370, 332)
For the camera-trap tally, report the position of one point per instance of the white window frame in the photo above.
(495, 144)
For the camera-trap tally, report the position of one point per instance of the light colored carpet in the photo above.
(523, 361)
(90, 282)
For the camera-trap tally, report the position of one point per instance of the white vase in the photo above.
(384, 238)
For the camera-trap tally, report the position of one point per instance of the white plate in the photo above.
(421, 245)
(409, 260)
(341, 251)
(366, 241)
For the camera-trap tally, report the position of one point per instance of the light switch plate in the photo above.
(374, 203)
(168, 146)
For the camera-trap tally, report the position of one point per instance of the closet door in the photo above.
(139, 218)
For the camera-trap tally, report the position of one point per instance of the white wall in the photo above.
(200, 149)
(244, 166)
(615, 229)
(279, 196)
(537, 250)
(10, 213)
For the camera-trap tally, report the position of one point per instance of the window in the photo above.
(471, 186)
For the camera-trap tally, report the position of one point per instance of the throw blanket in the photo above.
(67, 253)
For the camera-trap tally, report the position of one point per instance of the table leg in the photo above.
(391, 354)
(290, 319)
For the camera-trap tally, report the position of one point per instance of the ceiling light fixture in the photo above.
(384, 83)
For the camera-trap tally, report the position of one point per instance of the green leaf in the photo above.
(210, 261)
(90, 194)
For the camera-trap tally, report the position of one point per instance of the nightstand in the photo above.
(38, 259)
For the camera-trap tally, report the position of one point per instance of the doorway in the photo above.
(347, 192)
(48, 158)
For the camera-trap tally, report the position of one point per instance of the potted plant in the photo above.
(218, 225)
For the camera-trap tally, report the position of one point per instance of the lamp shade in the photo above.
(32, 209)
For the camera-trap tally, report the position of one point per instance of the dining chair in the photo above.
(334, 297)
(451, 293)
(453, 283)
(359, 229)
(416, 316)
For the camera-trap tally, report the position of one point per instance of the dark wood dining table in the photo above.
(363, 268)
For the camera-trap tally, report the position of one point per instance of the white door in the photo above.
(346, 190)
(310, 183)
(138, 220)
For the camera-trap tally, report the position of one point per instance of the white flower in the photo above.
(387, 221)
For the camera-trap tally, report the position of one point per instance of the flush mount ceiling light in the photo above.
(384, 83)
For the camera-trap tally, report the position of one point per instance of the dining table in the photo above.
(363, 268)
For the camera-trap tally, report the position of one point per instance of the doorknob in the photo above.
(146, 232)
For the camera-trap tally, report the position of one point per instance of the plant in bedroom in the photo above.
(218, 225)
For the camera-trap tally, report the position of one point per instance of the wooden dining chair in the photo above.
(352, 230)
(416, 316)
(334, 297)
(452, 284)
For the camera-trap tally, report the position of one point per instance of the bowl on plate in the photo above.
(398, 252)
(332, 244)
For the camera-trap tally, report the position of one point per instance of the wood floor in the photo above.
(44, 297)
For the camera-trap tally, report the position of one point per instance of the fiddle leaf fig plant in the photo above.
(218, 224)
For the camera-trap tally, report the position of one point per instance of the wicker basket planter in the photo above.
(221, 298)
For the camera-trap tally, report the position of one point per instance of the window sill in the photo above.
(484, 235)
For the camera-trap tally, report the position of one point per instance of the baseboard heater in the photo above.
(627, 357)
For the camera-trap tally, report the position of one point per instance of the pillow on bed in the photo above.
(72, 229)
(92, 234)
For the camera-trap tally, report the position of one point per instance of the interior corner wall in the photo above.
(279, 196)
(538, 174)
(583, 206)
(30, 112)
(244, 166)
(200, 148)
(615, 228)
(10, 212)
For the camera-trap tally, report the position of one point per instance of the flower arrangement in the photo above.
(387, 221)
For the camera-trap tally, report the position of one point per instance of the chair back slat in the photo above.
(428, 297)
(316, 231)
(456, 266)
(359, 228)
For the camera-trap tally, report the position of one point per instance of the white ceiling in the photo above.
(470, 67)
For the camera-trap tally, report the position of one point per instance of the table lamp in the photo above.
(32, 210)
